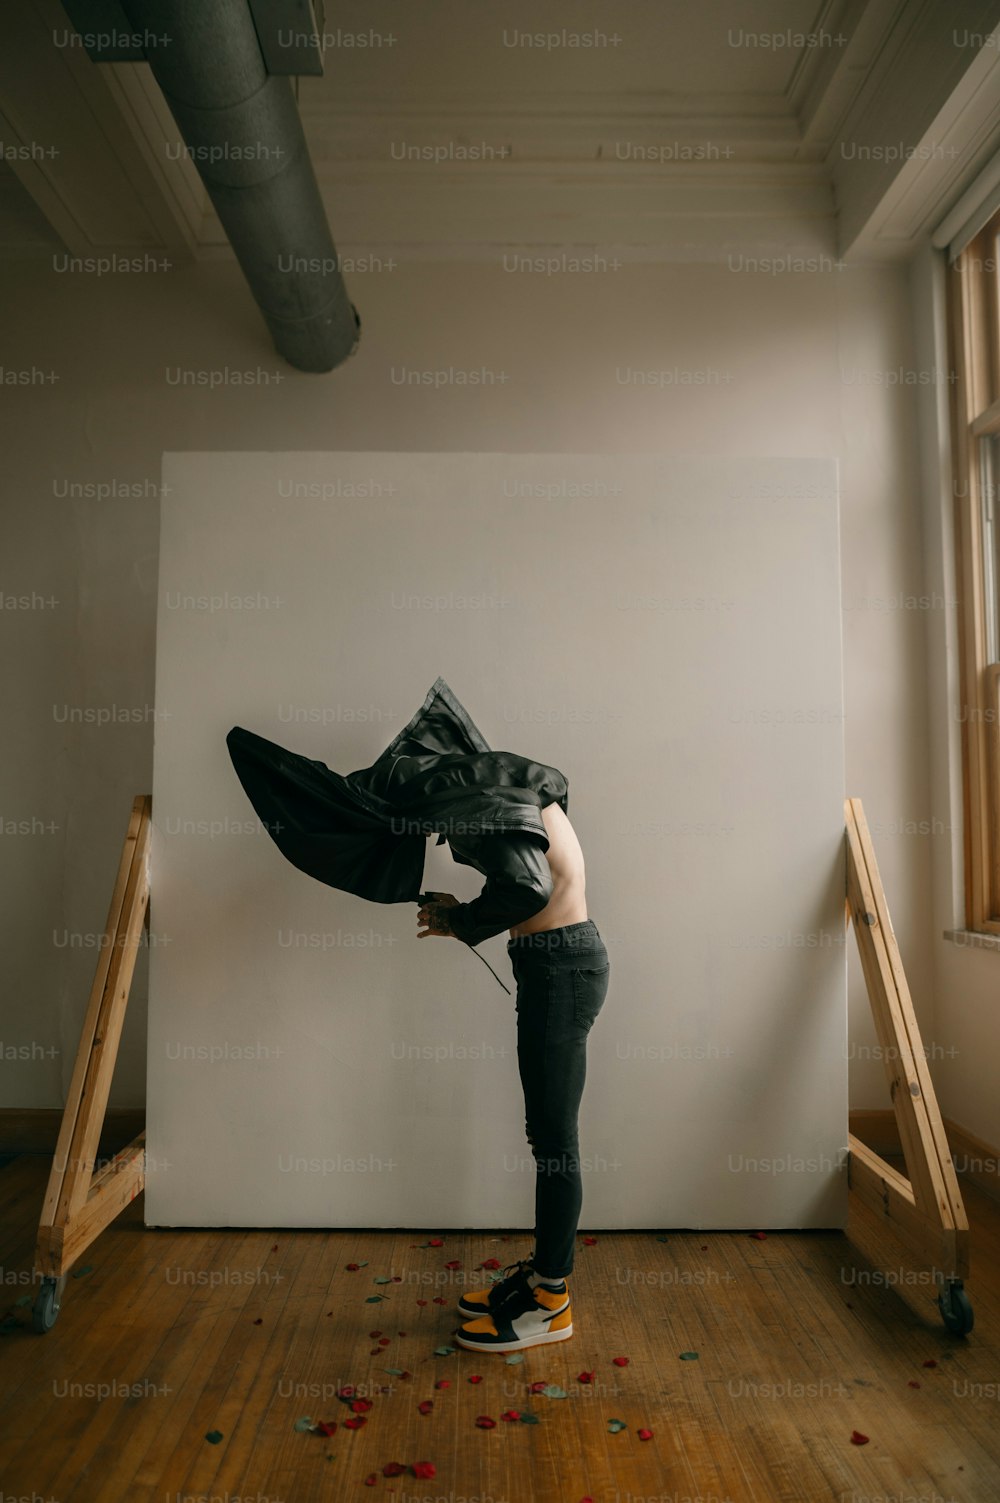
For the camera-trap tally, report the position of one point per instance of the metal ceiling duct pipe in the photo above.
(243, 133)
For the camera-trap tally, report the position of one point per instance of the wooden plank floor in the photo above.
(801, 1338)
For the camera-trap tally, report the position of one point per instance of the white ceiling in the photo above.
(693, 128)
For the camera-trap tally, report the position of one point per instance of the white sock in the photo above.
(540, 1278)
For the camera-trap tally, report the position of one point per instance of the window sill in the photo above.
(973, 938)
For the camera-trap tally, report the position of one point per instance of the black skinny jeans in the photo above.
(562, 981)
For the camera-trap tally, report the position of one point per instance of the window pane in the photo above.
(989, 455)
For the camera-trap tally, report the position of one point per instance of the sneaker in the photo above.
(527, 1317)
(483, 1301)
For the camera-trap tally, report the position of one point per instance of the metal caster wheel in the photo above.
(46, 1306)
(956, 1311)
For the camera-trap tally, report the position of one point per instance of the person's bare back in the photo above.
(568, 904)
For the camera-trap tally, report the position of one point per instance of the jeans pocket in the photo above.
(590, 987)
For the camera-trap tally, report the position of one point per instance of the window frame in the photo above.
(974, 362)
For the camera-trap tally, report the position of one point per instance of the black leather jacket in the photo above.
(366, 833)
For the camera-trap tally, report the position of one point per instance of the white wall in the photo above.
(776, 343)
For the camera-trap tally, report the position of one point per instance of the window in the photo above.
(974, 356)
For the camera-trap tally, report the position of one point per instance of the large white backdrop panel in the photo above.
(664, 629)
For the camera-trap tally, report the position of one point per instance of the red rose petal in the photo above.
(355, 1422)
(511, 1414)
(585, 1377)
(406, 1373)
(857, 1439)
(537, 1387)
(397, 1278)
(374, 1335)
(424, 1469)
(383, 1341)
(645, 1434)
(931, 1362)
(371, 1479)
(259, 1321)
(375, 1351)
(443, 1383)
(490, 1263)
(421, 1302)
(326, 1427)
(352, 1267)
(620, 1361)
(913, 1383)
(393, 1469)
(589, 1241)
(425, 1406)
(439, 1299)
(346, 1391)
(759, 1236)
(485, 1423)
(400, 1333)
(360, 1406)
(436, 1241)
(476, 1378)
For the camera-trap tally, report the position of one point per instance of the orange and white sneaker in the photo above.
(526, 1317)
(483, 1301)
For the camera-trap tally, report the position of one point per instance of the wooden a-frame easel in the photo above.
(924, 1211)
(78, 1203)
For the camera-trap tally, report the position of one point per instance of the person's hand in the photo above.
(434, 915)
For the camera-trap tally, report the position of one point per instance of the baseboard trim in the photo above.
(974, 1160)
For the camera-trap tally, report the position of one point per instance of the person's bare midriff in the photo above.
(568, 904)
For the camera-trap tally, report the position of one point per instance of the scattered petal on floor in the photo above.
(538, 1387)
(305, 1423)
(324, 1427)
(490, 1263)
(371, 1479)
(511, 1414)
(913, 1383)
(421, 1302)
(529, 1419)
(589, 1241)
(689, 1356)
(373, 1299)
(475, 1378)
(385, 1280)
(514, 1358)
(424, 1469)
(259, 1321)
(931, 1362)
(393, 1469)
(443, 1383)
(214, 1436)
(454, 1263)
(374, 1335)
(361, 1406)
(439, 1299)
(485, 1423)
(436, 1242)
(553, 1391)
(394, 1372)
(425, 1406)
(355, 1422)
(620, 1361)
(443, 1351)
(857, 1439)
(759, 1236)
(585, 1377)
(614, 1425)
